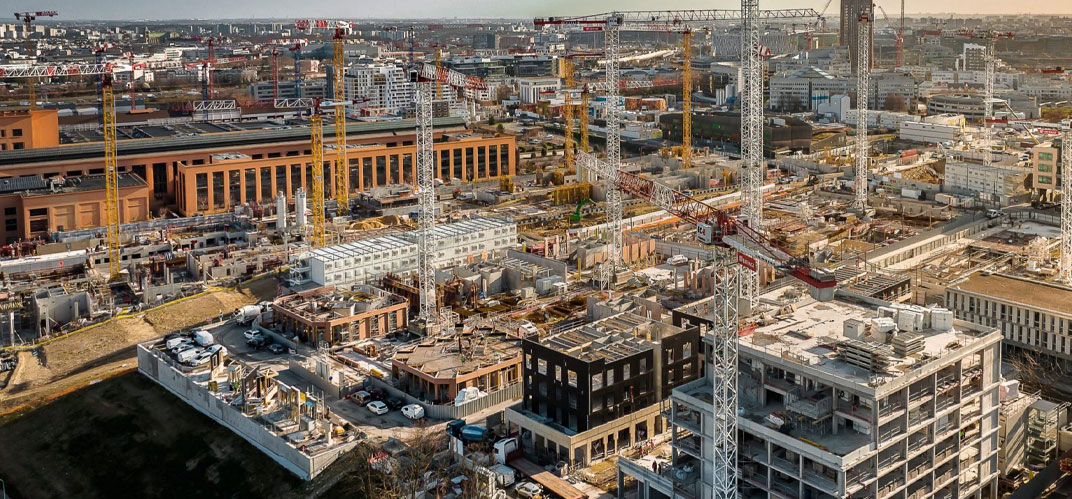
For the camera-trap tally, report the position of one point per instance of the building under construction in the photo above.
(843, 400)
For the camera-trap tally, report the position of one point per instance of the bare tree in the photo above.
(895, 102)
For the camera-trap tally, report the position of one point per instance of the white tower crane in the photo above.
(724, 373)
(753, 167)
(426, 201)
(988, 101)
(614, 259)
(1066, 207)
(863, 93)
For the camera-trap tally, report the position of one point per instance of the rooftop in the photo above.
(820, 335)
(443, 357)
(327, 303)
(369, 246)
(1020, 290)
(36, 186)
(610, 339)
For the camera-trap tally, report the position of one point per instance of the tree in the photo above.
(499, 128)
(502, 93)
(895, 102)
(491, 120)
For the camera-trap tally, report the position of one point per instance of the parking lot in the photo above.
(392, 424)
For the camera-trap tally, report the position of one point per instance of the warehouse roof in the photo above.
(210, 140)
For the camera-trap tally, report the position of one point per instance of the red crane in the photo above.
(28, 18)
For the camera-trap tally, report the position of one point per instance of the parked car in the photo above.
(177, 345)
(377, 407)
(395, 403)
(362, 397)
(378, 394)
(528, 490)
(252, 333)
(413, 411)
(257, 342)
(276, 348)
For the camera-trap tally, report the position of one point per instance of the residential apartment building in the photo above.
(973, 57)
(841, 400)
(334, 317)
(1034, 316)
(387, 87)
(536, 89)
(1046, 160)
(596, 388)
(364, 262)
(264, 91)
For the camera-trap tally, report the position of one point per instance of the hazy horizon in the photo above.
(130, 10)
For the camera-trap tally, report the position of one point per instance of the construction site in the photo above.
(647, 254)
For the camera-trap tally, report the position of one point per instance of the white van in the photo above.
(413, 411)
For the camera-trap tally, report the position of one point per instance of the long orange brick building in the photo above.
(213, 172)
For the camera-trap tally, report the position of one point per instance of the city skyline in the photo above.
(127, 10)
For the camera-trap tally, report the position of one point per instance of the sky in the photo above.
(412, 9)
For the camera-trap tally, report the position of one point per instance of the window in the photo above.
(597, 381)
(1045, 156)
(16, 132)
(686, 350)
(610, 376)
(625, 371)
(572, 375)
(39, 212)
(541, 366)
(9, 211)
(217, 189)
(558, 373)
(1045, 179)
(251, 186)
(39, 225)
(202, 191)
(1045, 167)
(11, 224)
(18, 145)
(266, 184)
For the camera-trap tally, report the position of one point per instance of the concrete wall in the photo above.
(162, 371)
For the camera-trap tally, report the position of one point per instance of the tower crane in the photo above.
(27, 19)
(567, 112)
(686, 99)
(990, 74)
(296, 50)
(1065, 270)
(342, 177)
(900, 39)
(863, 93)
(275, 72)
(111, 176)
(677, 21)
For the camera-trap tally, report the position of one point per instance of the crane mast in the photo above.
(727, 284)
(111, 175)
(988, 101)
(753, 167)
(316, 184)
(686, 100)
(614, 155)
(426, 199)
(863, 92)
(1066, 207)
(342, 179)
(567, 111)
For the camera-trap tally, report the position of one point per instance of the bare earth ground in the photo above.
(72, 363)
(128, 437)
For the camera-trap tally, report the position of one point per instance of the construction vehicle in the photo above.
(576, 216)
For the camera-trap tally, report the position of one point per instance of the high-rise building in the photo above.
(850, 22)
(973, 57)
(386, 86)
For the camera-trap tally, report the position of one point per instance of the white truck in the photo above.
(504, 475)
(247, 314)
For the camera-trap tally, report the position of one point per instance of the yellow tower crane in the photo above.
(686, 100)
(342, 178)
(316, 184)
(111, 175)
(584, 120)
(567, 114)
(438, 66)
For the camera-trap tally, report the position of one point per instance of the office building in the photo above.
(1046, 161)
(29, 129)
(842, 400)
(264, 91)
(596, 388)
(997, 184)
(535, 89)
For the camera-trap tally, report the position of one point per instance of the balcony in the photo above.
(890, 410)
(918, 444)
(859, 413)
(779, 385)
(691, 444)
(819, 480)
(921, 397)
(784, 489)
(784, 465)
(856, 481)
(686, 418)
(945, 403)
(890, 487)
(889, 462)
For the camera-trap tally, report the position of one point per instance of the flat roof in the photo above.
(1018, 290)
(208, 140)
(812, 334)
(408, 239)
(612, 338)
